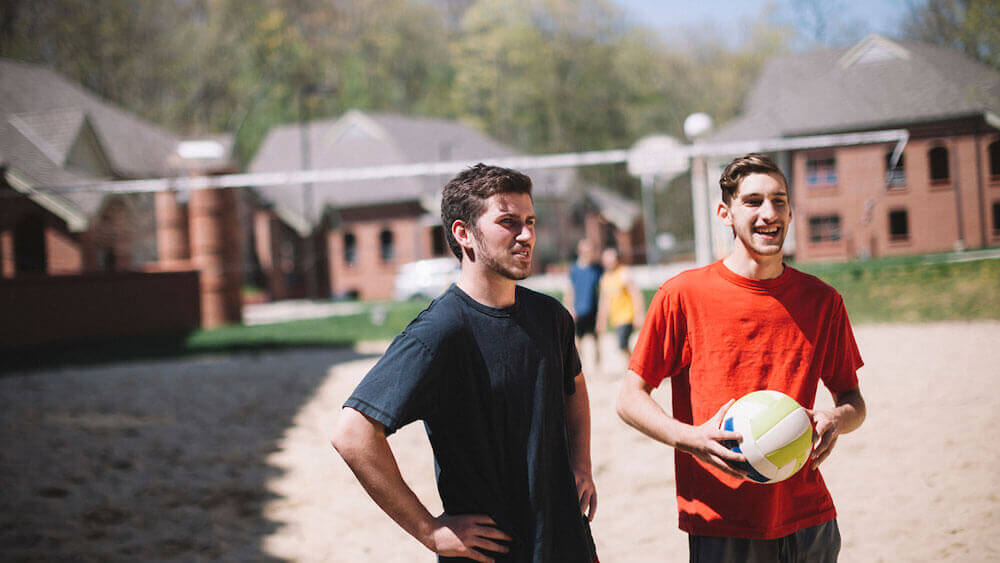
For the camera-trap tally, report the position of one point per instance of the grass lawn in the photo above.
(914, 290)
(911, 289)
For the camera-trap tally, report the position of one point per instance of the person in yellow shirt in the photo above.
(621, 304)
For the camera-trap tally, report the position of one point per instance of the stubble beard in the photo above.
(496, 265)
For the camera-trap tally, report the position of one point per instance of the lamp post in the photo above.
(657, 157)
(696, 126)
(305, 150)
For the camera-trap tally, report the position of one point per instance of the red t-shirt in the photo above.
(718, 336)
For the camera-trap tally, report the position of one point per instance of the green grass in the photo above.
(332, 332)
(911, 289)
(914, 290)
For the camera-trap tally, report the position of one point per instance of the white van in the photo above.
(426, 278)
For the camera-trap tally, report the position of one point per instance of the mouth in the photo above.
(768, 232)
(523, 254)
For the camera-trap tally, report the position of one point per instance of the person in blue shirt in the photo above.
(583, 294)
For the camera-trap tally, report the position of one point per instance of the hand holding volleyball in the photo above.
(777, 435)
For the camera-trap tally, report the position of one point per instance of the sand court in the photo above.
(227, 458)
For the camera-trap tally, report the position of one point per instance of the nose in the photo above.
(527, 233)
(768, 212)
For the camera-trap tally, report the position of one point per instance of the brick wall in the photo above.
(370, 275)
(940, 215)
(48, 309)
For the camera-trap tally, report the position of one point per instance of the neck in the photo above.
(487, 287)
(755, 267)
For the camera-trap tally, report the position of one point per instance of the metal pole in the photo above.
(308, 266)
(649, 218)
(699, 207)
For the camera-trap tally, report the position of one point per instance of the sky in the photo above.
(859, 16)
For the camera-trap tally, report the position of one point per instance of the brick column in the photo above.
(268, 237)
(215, 251)
(7, 265)
(172, 232)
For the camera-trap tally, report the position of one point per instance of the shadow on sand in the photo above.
(151, 460)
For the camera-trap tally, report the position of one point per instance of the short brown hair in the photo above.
(464, 196)
(743, 166)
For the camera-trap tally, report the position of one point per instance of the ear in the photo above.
(463, 234)
(722, 211)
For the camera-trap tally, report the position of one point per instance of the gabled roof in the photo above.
(135, 147)
(42, 118)
(371, 139)
(878, 83)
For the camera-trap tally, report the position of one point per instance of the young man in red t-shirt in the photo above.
(746, 323)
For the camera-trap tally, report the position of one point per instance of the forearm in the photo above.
(366, 451)
(639, 306)
(578, 424)
(850, 410)
(638, 409)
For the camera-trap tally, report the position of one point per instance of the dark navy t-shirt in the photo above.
(491, 385)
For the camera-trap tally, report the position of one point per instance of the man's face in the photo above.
(759, 214)
(505, 235)
(585, 252)
(609, 259)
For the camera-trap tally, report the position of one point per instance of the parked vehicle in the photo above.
(425, 278)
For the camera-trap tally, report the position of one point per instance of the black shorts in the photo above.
(624, 332)
(586, 324)
(819, 543)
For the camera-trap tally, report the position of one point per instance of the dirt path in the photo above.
(228, 458)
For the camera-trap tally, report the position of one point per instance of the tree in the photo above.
(971, 26)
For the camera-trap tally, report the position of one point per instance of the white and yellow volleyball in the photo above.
(777, 435)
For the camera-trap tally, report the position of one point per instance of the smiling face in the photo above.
(759, 214)
(504, 235)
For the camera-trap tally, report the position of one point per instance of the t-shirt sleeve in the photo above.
(661, 349)
(844, 360)
(402, 387)
(571, 356)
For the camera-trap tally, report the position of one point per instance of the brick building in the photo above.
(56, 138)
(55, 133)
(945, 192)
(358, 233)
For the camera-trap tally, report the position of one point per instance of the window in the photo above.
(824, 228)
(386, 245)
(30, 256)
(996, 218)
(994, 156)
(821, 171)
(439, 245)
(938, 157)
(899, 225)
(106, 259)
(895, 177)
(350, 249)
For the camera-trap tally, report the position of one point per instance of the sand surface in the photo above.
(227, 458)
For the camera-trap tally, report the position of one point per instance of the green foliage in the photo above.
(541, 75)
(971, 26)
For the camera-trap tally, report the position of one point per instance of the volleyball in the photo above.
(777, 435)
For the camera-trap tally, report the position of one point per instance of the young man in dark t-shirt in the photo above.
(492, 370)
